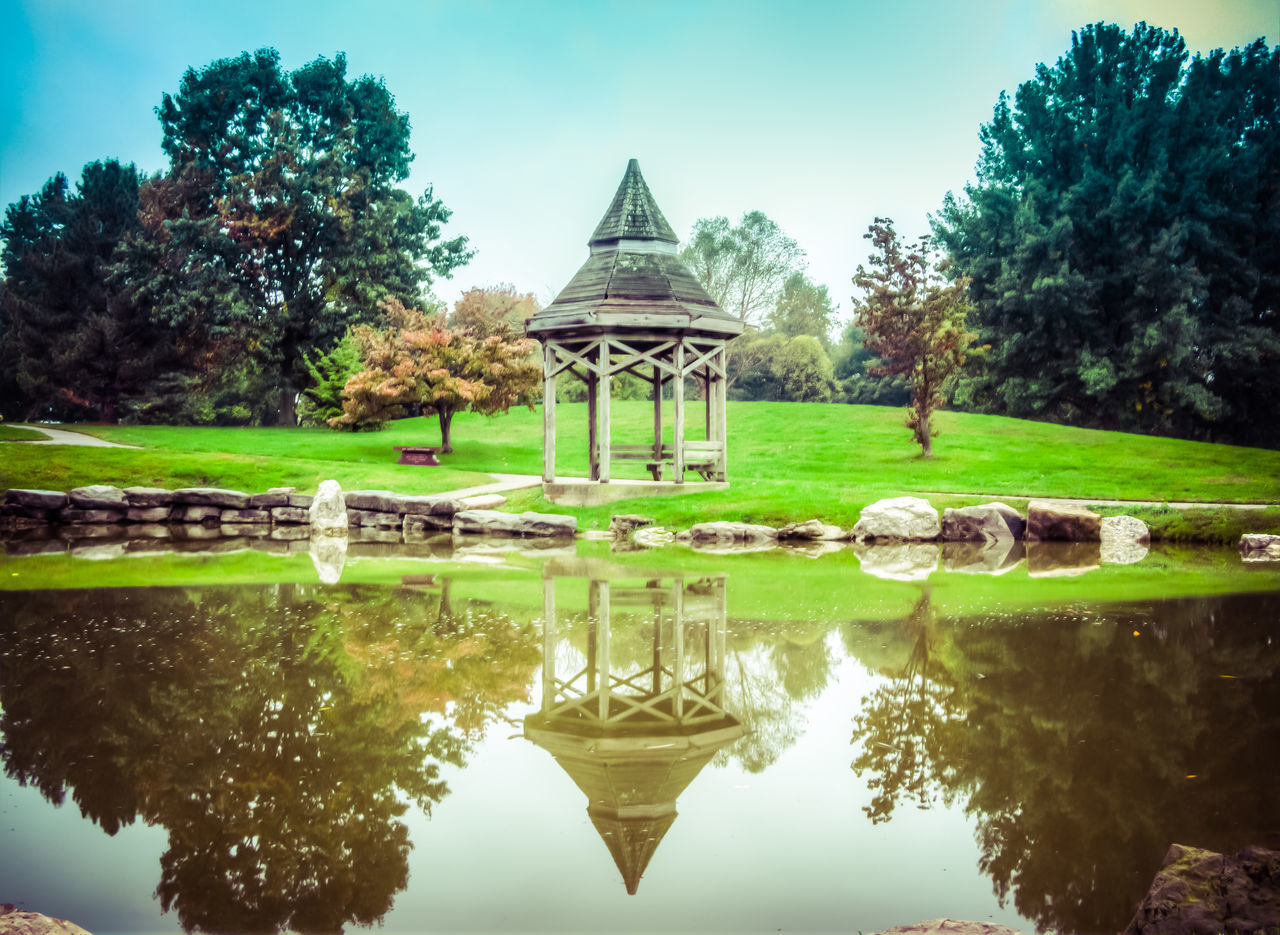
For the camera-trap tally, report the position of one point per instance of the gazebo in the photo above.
(634, 307)
(633, 733)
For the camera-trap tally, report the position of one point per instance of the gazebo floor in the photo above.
(579, 491)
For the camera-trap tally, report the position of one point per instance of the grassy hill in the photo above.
(787, 461)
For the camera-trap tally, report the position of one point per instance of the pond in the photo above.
(577, 739)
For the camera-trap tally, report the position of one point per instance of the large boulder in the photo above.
(814, 530)
(901, 518)
(328, 512)
(1259, 547)
(148, 497)
(652, 537)
(387, 501)
(280, 497)
(1198, 891)
(99, 497)
(728, 533)
(36, 499)
(987, 522)
(495, 522)
(14, 921)
(212, 496)
(1125, 540)
(951, 927)
(624, 524)
(1053, 520)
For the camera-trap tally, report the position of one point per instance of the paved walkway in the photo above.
(504, 483)
(63, 437)
(1175, 504)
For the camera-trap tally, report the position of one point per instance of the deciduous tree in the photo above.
(913, 319)
(418, 362)
(489, 310)
(288, 183)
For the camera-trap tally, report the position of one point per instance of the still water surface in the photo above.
(620, 743)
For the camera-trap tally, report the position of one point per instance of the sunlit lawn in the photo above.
(787, 461)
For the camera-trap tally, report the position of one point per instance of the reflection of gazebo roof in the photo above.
(631, 780)
(633, 278)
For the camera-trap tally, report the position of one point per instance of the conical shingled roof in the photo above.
(634, 214)
(634, 280)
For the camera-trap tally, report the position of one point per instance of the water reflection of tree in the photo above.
(771, 670)
(278, 734)
(913, 727)
(1082, 749)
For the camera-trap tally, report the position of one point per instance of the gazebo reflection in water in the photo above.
(632, 695)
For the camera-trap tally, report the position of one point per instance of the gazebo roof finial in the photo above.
(633, 215)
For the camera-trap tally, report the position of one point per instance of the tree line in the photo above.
(1115, 264)
(195, 295)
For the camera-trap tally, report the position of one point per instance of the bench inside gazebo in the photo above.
(635, 308)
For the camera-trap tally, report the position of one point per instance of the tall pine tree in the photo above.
(1122, 237)
(74, 343)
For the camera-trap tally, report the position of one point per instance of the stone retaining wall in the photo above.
(280, 513)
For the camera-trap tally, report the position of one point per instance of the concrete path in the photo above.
(1175, 504)
(504, 483)
(63, 437)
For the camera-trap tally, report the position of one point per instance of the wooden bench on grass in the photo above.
(701, 457)
(418, 454)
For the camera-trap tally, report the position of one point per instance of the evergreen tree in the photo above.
(75, 344)
(1123, 238)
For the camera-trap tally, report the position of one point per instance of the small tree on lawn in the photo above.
(913, 319)
(417, 362)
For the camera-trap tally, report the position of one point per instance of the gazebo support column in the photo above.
(720, 385)
(593, 429)
(548, 413)
(657, 420)
(677, 393)
(605, 381)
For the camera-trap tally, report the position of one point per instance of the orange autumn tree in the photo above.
(417, 362)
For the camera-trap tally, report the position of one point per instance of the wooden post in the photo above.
(548, 413)
(605, 381)
(677, 393)
(707, 390)
(657, 420)
(548, 644)
(722, 412)
(593, 435)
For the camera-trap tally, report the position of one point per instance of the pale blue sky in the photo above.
(524, 114)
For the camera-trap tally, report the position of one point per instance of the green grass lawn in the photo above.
(15, 433)
(787, 461)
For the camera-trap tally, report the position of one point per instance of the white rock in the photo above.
(328, 512)
(901, 518)
(653, 536)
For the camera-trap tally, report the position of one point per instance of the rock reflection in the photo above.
(277, 733)
(633, 700)
(1084, 741)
